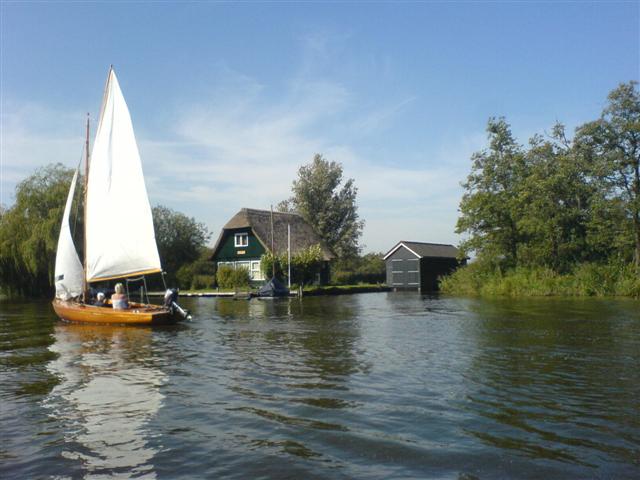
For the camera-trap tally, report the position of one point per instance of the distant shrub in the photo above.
(200, 272)
(201, 282)
(229, 277)
(369, 269)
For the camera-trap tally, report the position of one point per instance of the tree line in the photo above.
(559, 203)
(29, 232)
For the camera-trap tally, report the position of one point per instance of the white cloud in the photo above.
(241, 148)
(32, 136)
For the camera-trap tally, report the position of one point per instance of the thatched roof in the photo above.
(302, 234)
(422, 249)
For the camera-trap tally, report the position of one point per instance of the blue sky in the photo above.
(229, 99)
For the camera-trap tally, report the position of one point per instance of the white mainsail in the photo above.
(68, 271)
(120, 237)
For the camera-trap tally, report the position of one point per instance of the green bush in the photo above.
(369, 269)
(267, 265)
(229, 277)
(201, 282)
(587, 279)
(188, 275)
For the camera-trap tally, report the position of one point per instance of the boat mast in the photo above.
(273, 252)
(85, 289)
(289, 253)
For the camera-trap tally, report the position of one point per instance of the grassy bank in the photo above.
(586, 280)
(311, 290)
(344, 289)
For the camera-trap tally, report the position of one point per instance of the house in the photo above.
(248, 235)
(417, 265)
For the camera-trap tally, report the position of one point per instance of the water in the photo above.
(372, 386)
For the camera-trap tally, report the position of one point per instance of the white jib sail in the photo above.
(68, 272)
(120, 237)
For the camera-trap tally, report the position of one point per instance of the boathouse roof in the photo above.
(423, 249)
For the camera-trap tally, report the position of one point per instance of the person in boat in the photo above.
(119, 299)
(100, 300)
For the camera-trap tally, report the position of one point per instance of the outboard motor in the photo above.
(170, 301)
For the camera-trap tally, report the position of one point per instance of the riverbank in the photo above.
(586, 280)
(307, 291)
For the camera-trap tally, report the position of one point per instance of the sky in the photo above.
(229, 99)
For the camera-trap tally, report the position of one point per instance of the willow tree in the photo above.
(29, 231)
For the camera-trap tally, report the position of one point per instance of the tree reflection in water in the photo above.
(550, 386)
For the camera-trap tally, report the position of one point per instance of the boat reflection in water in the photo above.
(107, 395)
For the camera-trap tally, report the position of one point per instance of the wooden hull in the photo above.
(136, 314)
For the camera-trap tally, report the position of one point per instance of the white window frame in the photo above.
(246, 264)
(256, 270)
(238, 240)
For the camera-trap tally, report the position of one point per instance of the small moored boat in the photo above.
(119, 237)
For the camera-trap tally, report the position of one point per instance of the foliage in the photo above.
(229, 277)
(611, 145)
(180, 239)
(369, 269)
(29, 231)
(533, 212)
(199, 274)
(267, 265)
(306, 264)
(586, 279)
(328, 205)
(490, 207)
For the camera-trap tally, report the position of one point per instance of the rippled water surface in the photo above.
(372, 386)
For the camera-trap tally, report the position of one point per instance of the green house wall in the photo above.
(229, 252)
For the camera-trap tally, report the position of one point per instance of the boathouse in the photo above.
(248, 235)
(417, 265)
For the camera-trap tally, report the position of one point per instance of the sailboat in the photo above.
(119, 236)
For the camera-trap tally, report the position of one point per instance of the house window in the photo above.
(256, 271)
(242, 240)
(245, 265)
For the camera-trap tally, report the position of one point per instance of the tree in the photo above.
(328, 205)
(306, 264)
(29, 231)
(271, 263)
(611, 145)
(199, 274)
(180, 239)
(556, 199)
(490, 208)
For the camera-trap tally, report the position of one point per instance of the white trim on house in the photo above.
(393, 250)
(252, 266)
(256, 271)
